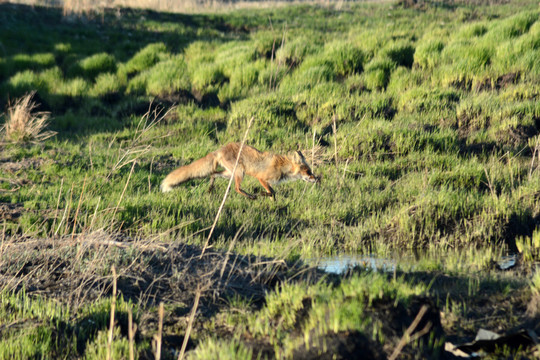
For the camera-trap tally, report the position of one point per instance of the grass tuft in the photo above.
(23, 124)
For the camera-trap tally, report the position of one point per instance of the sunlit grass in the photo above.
(426, 123)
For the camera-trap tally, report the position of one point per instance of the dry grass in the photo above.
(148, 270)
(77, 9)
(23, 124)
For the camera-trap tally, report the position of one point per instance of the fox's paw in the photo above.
(265, 193)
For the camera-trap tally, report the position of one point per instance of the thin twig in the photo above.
(150, 175)
(63, 216)
(57, 204)
(68, 208)
(132, 329)
(94, 216)
(229, 251)
(406, 338)
(190, 324)
(90, 156)
(334, 129)
(531, 167)
(313, 150)
(279, 62)
(159, 335)
(122, 195)
(111, 324)
(78, 208)
(273, 53)
(489, 183)
(228, 189)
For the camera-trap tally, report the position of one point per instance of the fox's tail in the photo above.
(197, 169)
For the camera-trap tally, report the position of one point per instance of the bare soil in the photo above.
(77, 270)
(10, 212)
(11, 166)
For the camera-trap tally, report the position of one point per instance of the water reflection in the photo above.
(343, 263)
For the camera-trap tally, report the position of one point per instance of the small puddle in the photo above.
(342, 263)
(507, 262)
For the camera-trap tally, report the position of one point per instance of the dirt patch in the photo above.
(166, 163)
(517, 136)
(23, 164)
(78, 270)
(394, 319)
(501, 82)
(207, 100)
(170, 99)
(507, 79)
(10, 212)
(340, 345)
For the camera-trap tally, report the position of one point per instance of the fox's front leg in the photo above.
(268, 188)
(237, 180)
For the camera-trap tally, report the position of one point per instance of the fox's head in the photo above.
(302, 169)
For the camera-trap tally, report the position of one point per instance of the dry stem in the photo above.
(408, 336)
(111, 324)
(228, 188)
(190, 324)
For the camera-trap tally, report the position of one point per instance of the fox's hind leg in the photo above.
(211, 186)
(224, 174)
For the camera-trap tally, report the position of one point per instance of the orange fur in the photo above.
(268, 168)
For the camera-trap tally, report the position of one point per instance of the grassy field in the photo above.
(423, 122)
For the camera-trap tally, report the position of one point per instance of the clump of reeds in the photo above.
(23, 124)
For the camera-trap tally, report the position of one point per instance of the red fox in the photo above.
(268, 168)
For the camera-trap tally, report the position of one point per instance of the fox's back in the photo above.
(249, 158)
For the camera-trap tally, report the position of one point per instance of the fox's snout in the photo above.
(311, 178)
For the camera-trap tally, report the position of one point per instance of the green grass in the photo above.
(37, 327)
(428, 120)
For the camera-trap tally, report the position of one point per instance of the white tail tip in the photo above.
(165, 188)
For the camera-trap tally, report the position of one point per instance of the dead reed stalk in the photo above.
(113, 309)
(190, 324)
(536, 152)
(132, 329)
(66, 211)
(159, 336)
(334, 130)
(122, 196)
(57, 204)
(78, 208)
(228, 189)
(408, 336)
(224, 266)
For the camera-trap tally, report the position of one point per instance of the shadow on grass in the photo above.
(40, 46)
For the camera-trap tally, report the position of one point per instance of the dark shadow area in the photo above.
(39, 44)
(520, 225)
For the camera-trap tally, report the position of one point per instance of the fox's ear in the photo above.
(298, 157)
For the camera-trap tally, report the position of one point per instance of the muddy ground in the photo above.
(78, 270)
